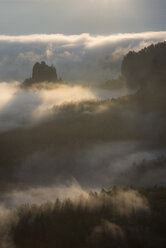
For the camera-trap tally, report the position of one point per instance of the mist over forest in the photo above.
(83, 142)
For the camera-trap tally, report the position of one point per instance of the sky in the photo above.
(104, 17)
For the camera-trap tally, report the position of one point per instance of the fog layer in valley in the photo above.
(61, 139)
(98, 135)
(24, 107)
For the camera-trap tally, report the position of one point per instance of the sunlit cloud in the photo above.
(7, 92)
(86, 39)
(83, 57)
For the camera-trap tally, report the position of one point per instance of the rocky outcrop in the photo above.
(41, 72)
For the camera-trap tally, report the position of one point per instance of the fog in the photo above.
(78, 58)
(124, 205)
(21, 107)
(76, 147)
(57, 133)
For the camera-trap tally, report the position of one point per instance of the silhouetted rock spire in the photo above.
(41, 72)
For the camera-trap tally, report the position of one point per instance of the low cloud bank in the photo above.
(83, 57)
(116, 163)
(21, 107)
(45, 175)
(64, 131)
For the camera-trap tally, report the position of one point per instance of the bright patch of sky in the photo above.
(81, 16)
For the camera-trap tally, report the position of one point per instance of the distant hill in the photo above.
(114, 84)
(146, 71)
(146, 68)
(41, 72)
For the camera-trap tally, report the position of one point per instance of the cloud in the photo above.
(17, 108)
(108, 228)
(64, 130)
(54, 201)
(123, 202)
(86, 39)
(83, 57)
(7, 219)
(7, 91)
(57, 131)
(27, 107)
(20, 107)
(39, 195)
